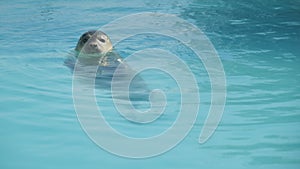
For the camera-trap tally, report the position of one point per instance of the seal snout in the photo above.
(93, 45)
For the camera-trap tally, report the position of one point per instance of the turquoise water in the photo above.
(258, 44)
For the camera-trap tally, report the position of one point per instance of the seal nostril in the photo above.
(93, 45)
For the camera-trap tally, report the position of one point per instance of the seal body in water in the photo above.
(94, 51)
(94, 48)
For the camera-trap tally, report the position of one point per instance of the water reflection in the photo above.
(258, 44)
(47, 11)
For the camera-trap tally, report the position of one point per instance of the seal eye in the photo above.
(85, 40)
(102, 40)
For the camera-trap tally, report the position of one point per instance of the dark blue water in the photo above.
(258, 44)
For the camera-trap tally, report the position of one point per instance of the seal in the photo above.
(94, 51)
(95, 45)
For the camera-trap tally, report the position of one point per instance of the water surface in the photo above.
(257, 41)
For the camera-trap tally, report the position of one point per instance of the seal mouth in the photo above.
(94, 51)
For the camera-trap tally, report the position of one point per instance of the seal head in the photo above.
(94, 42)
(95, 48)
